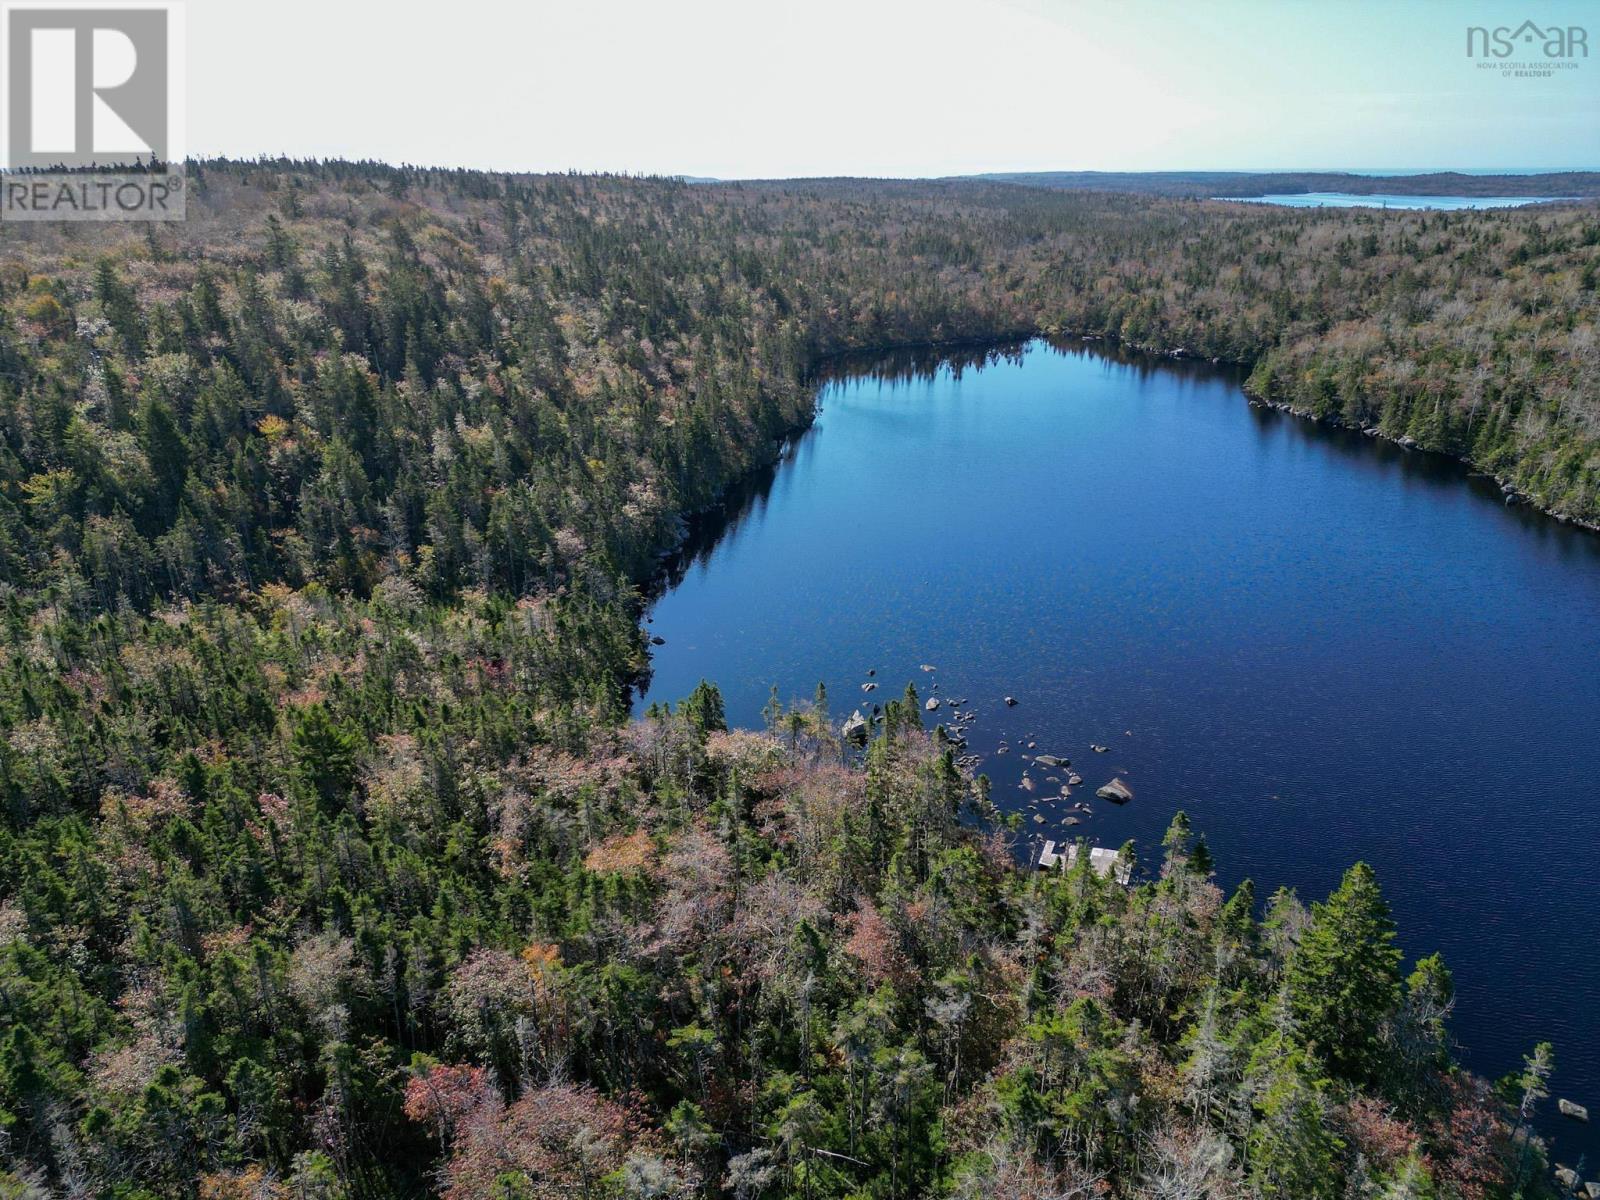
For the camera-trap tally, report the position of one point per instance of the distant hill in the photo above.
(1247, 183)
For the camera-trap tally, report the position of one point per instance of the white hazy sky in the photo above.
(751, 88)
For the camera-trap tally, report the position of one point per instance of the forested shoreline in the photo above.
(331, 866)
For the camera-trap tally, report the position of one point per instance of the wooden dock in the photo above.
(1102, 862)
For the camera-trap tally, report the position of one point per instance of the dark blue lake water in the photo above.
(1323, 647)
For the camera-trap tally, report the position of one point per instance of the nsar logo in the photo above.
(1528, 39)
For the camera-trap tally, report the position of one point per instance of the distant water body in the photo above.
(1396, 173)
(1353, 200)
(1323, 647)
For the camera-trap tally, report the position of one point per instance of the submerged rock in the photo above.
(658, 640)
(1116, 791)
(1050, 760)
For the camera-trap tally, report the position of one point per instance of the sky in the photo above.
(782, 88)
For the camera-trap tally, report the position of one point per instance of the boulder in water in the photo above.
(1116, 791)
(1576, 1111)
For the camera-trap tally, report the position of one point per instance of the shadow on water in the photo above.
(925, 364)
(747, 499)
(1437, 473)
(919, 364)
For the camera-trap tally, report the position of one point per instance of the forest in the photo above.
(332, 867)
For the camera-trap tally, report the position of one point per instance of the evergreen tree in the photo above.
(168, 456)
(1344, 977)
(1293, 1153)
(703, 709)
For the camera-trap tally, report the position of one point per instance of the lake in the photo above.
(1323, 647)
(1355, 200)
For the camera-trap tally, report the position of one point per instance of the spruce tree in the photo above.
(1293, 1153)
(168, 456)
(1344, 976)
